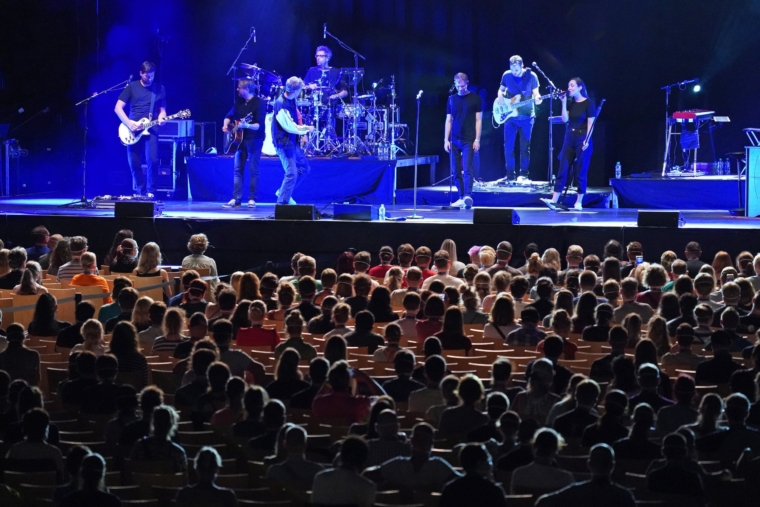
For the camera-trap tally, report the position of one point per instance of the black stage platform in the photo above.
(247, 238)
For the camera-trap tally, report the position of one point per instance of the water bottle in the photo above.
(726, 167)
(381, 212)
(618, 171)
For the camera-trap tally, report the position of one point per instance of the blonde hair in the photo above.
(150, 258)
(394, 278)
(92, 332)
(551, 257)
(88, 259)
(448, 244)
(198, 242)
(534, 264)
(140, 313)
(487, 256)
(235, 280)
(174, 320)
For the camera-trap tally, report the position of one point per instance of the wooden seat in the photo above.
(157, 294)
(167, 381)
(66, 303)
(23, 317)
(92, 290)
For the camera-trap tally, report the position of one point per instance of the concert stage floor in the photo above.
(247, 238)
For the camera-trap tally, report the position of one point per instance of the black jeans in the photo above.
(248, 151)
(147, 145)
(462, 156)
(572, 153)
(522, 126)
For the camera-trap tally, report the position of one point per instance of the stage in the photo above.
(245, 238)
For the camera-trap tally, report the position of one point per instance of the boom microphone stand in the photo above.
(414, 215)
(552, 90)
(83, 202)
(233, 67)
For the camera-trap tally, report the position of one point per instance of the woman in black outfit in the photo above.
(577, 148)
(43, 321)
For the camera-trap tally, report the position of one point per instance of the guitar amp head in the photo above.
(176, 129)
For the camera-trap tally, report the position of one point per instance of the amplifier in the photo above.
(176, 129)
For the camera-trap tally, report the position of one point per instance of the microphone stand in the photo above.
(354, 100)
(667, 88)
(414, 215)
(83, 202)
(233, 67)
(552, 90)
(576, 164)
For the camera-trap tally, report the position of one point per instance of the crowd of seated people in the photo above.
(406, 377)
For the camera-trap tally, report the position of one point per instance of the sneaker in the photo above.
(578, 206)
(467, 202)
(551, 204)
(234, 203)
(523, 180)
(459, 203)
(251, 203)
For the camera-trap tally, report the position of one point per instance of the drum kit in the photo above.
(370, 121)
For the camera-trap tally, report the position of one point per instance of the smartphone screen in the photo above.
(639, 259)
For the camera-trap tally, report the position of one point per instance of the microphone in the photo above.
(451, 90)
(419, 95)
(129, 80)
(253, 28)
(375, 85)
(324, 31)
(689, 81)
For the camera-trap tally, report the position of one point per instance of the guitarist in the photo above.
(518, 81)
(146, 99)
(253, 140)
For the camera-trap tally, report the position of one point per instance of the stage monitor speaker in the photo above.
(506, 216)
(294, 212)
(668, 219)
(355, 212)
(128, 209)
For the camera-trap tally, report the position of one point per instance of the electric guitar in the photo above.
(507, 110)
(128, 137)
(235, 133)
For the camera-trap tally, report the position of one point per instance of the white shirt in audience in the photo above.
(446, 278)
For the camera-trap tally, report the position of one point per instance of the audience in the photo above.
(223, 386)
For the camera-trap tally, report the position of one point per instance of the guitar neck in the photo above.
(530, 101)
(155, 122)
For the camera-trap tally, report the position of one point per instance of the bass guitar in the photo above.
(508, 109)
(129, 137)
(235, 133)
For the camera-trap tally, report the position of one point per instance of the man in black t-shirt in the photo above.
(325, 76)
(464, 119)
(141, 95)
(249, 149)
(518, 81)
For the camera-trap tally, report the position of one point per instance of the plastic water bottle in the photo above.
(381, 212)
(618, 171)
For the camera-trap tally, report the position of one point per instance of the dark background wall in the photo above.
(54, 53)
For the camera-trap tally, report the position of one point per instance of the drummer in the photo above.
(324, 76)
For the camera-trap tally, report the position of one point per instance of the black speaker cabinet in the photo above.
(128, 209)
(506, 216)
(355, 212)
(294, 212)
(656, 218)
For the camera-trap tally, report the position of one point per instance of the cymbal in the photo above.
(367, 96)
(262, 75)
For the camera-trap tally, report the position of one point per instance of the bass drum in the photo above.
(268, 148)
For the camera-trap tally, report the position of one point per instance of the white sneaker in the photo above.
(459, 203)
(578, 206)
(522, 180)
(467, 202)
(234, 203)
(551, 204)
(251, 203)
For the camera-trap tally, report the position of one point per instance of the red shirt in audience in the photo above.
(257, 336)
(340, 406)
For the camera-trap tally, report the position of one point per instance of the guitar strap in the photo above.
(152, 102)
